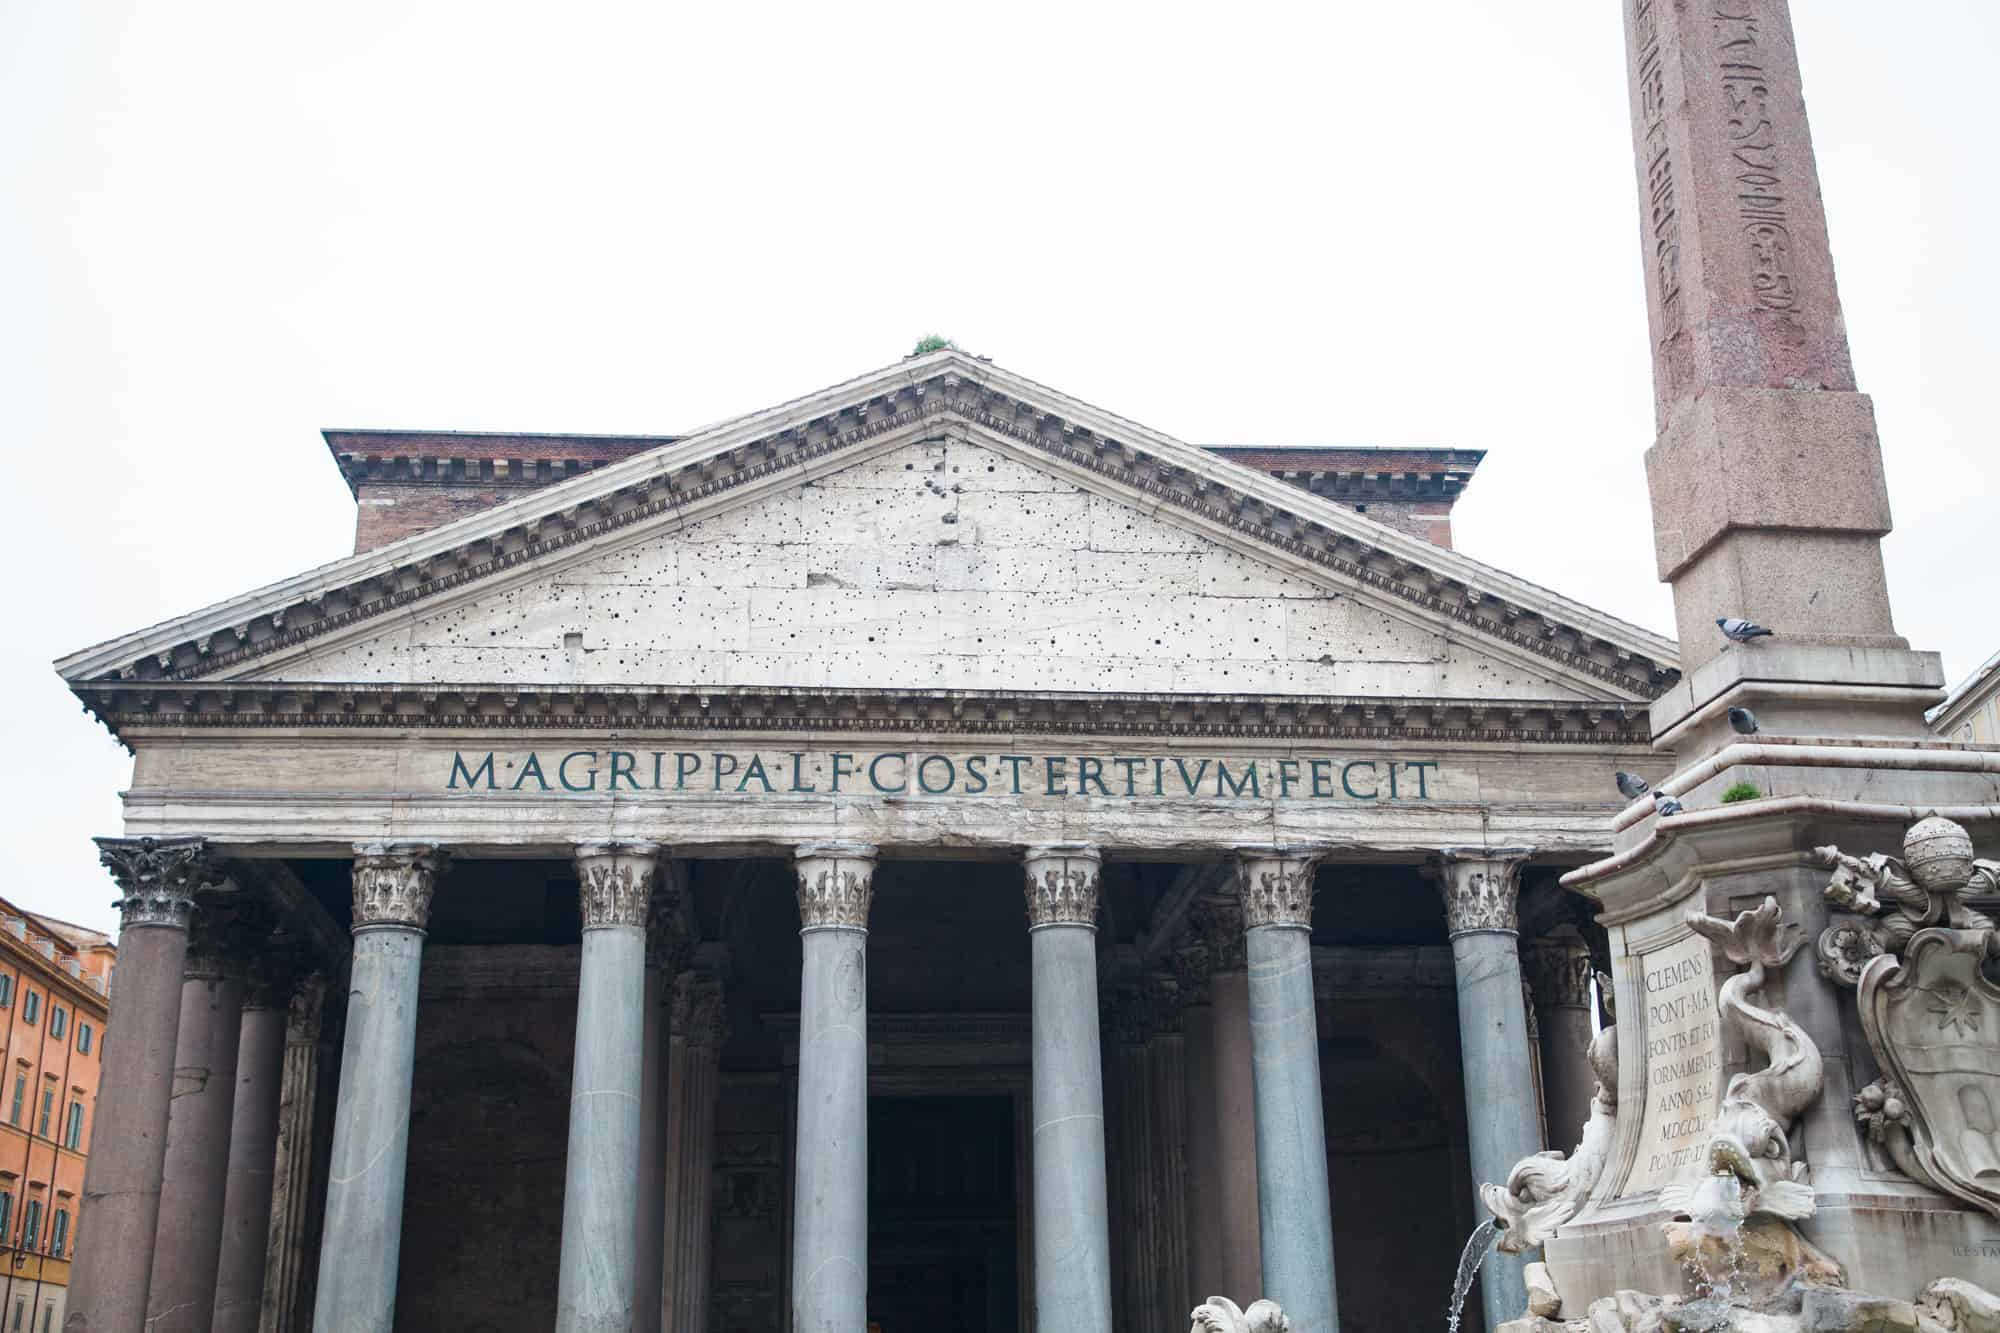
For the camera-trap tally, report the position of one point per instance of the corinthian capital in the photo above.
(615, 882)
(698, 1014)
(1482, 889)
(836, 885)
(393, 883)
(1218, 924)
(1062, 886)
(156, 877)
(1557, 968)
(1277, 887)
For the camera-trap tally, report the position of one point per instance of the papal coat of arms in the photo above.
(1923, 964)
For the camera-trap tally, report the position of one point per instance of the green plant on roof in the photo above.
(933, 342)
(1740, 791)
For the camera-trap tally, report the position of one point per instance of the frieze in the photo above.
(658, 493)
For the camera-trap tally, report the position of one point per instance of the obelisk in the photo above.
(1768, 496)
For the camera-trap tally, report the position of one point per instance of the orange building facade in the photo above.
(55, 987)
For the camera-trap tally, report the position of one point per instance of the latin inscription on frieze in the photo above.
(1683, 1061)
(901, 773)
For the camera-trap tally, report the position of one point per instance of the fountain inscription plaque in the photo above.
(1683, 1061)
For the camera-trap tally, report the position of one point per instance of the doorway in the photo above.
(942, 1243)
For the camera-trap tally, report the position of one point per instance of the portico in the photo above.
(1174, 937)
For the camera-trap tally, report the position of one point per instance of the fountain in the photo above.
(1477, 1246)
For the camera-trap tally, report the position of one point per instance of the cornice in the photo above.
(674, 478)
(147, 707)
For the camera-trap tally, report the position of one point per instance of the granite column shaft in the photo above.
(648, 1227)
(253, 1147)
(288, 1254)
(1072, 1226)
(1295, 1214)
(830, 1187)
(120, 1212)
(1481, 890)
(698, 1022)
(1231, 1098)
(601, 1190)
(361, 1242)
(187, 1248)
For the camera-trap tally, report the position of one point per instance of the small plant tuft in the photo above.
(1740, 791)
(933, 342)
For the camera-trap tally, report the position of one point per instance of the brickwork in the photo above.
(407, 482)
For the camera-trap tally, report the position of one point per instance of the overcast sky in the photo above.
(225, 226)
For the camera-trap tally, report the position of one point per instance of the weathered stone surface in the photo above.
(1542, 1297)
(941, 565)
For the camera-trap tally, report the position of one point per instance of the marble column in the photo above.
(1295, 1214)
(601, 1186)
(286, 1254)
(120, 1212)
(1072, 1229)
(187, 1248)
(1558, 972)
(361, 1241)
(698, 1023)
(1481, 889)
(1232, 1096)
(830, 1163)
(253, 1146)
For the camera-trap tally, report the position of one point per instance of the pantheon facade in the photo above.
(932, 854)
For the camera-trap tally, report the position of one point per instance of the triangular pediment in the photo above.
(941, 524)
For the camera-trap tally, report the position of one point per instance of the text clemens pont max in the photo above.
(914, 773)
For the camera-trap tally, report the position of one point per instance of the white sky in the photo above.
(224, 226)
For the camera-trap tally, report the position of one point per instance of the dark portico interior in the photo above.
(949, 1181)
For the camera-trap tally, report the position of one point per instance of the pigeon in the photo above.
(1631, 786)
(1743, 722)
(1664, 805)
(1740, 631)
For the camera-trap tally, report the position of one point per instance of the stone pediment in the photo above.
(938, 525)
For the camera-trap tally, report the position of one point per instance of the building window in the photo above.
(6, 990)
(48, 1110)
(61, 1236)
(48, 1312)
(6, 1215)
(20, 1313)
(83, 1039)
(20, 1099)
(31, 1005)
(73, 1136)
(31, 1224)
(58, 1020)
